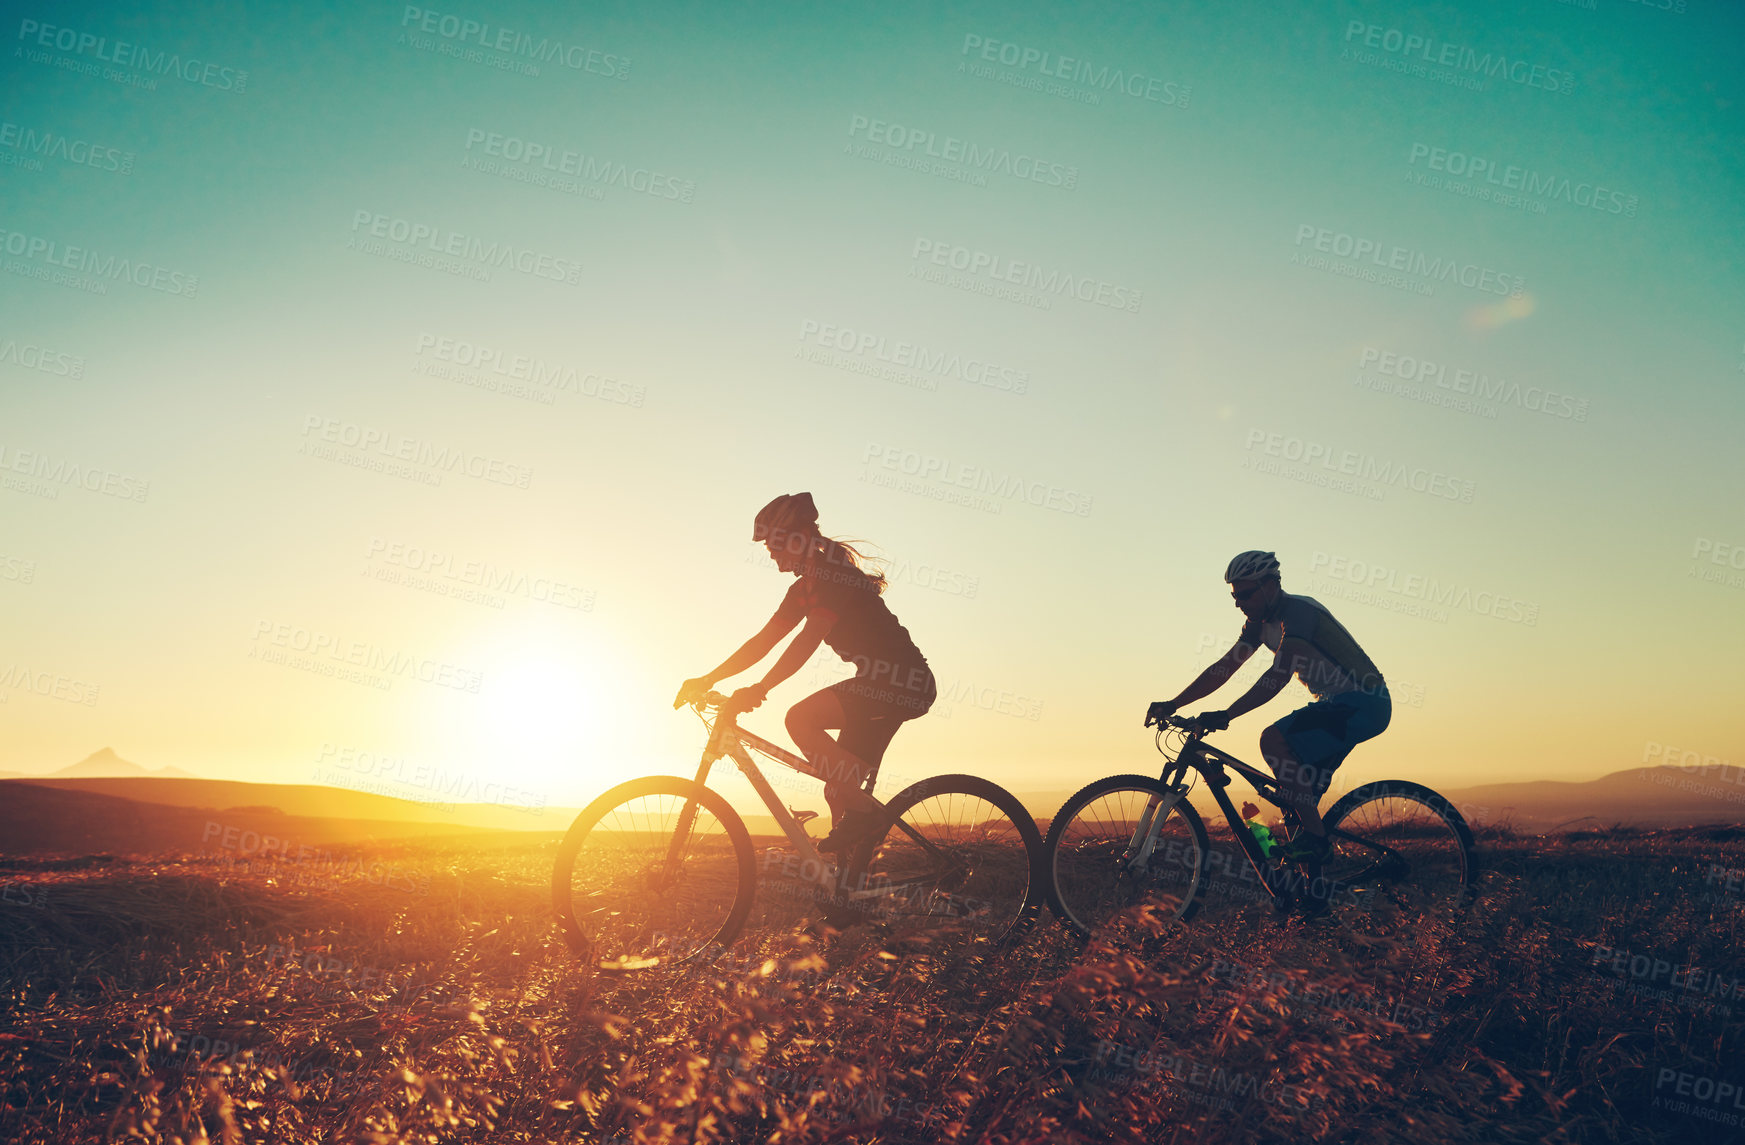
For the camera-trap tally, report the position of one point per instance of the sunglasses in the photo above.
(1247, 592)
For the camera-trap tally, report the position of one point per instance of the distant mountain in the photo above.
(68, 817)
(1639, 796)
(1643, 797)
(105, 764)
(309, 800)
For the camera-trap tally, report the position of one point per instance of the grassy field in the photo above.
(1591, 992)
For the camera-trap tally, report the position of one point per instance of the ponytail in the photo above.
(842, 562)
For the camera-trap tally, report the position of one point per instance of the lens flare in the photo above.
(1501, 313)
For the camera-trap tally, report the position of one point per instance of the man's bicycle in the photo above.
(661, 870)
(1130, 839)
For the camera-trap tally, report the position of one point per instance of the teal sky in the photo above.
(151, 625)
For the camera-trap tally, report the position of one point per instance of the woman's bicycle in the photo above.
(661, 870)
(1130, 839)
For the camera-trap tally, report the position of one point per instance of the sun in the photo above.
(540, 707)
(551, 712)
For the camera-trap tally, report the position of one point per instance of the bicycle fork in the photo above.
(687, 817)
(1150, 829)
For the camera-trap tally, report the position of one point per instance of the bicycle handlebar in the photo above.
(1188, 724)
(713, 699)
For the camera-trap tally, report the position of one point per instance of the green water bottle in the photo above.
(1263, 836)
(1262, 833)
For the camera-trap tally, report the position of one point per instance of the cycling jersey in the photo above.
(866, 633)
(892, 683)
(1313, 646)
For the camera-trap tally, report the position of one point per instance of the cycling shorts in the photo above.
(1323, 733)
(873, 711)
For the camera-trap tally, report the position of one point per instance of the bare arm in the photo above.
(1264, 689)
(749, 653)
(818, 624)
(753, 650)
(1215, 676)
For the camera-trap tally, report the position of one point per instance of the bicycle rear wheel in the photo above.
(656, 871)
(1094, 875)
(957, 858)
(1402, 835)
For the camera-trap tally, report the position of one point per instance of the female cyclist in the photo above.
(841, 605)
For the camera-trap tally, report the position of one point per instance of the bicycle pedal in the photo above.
(802, 817)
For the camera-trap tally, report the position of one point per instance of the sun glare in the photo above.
(551, 715)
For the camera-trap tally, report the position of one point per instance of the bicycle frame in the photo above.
(1210, 763)
(728, 739)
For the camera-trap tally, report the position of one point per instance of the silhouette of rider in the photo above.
(842, 606)
(1351, 698)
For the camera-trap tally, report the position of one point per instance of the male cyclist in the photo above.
(1351, 698)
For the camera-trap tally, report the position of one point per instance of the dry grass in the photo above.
(184, 1001)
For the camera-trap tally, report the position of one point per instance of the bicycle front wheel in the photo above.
(957, 858)
(1109, 850)
(1401, 834)
(656, 871)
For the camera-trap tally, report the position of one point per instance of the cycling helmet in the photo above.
(789, 513)
(1251, 565)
